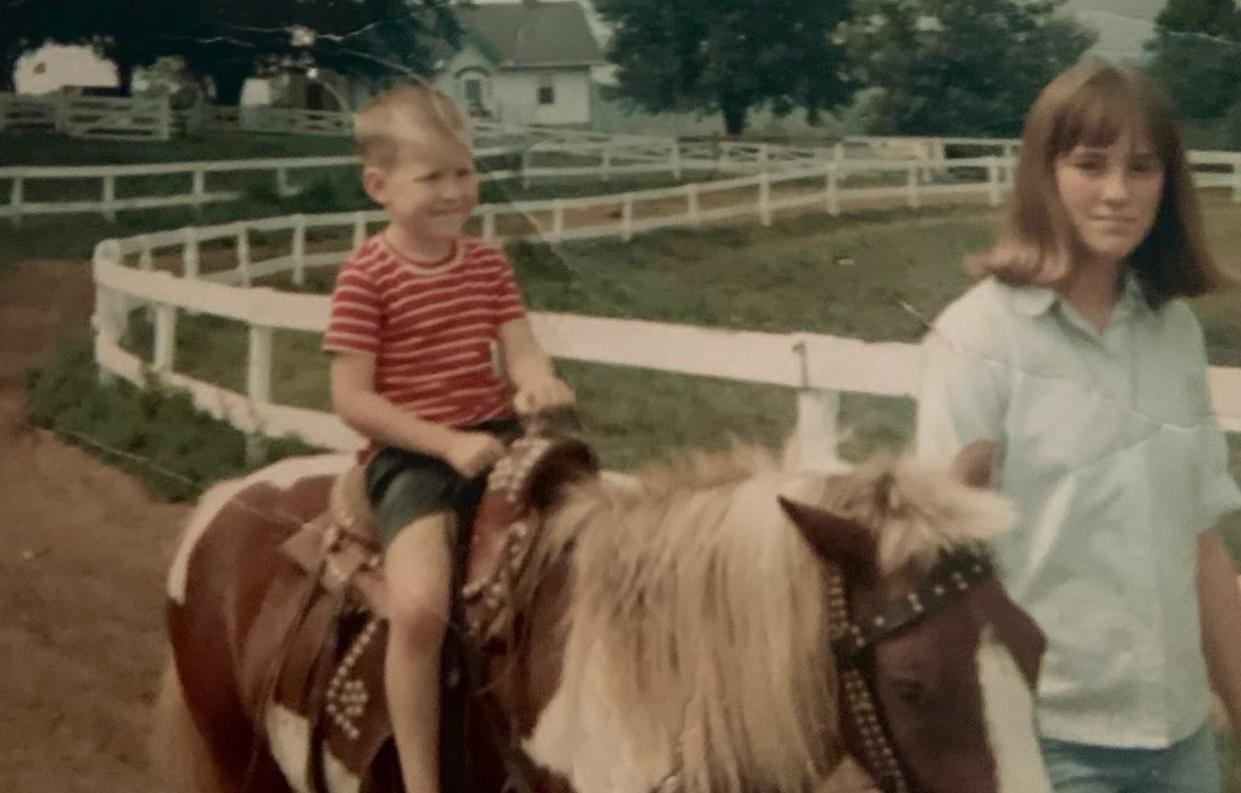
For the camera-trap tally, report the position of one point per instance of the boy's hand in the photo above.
(471, 453)
(543, 394)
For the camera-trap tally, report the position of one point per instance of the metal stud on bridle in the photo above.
(956, 572)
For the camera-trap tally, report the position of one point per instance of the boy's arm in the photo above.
(356, 402)
(530, 370)
(1219, 600)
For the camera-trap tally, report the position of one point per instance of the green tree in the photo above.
(1197, 56)
(373, 39)
(227, 41)
(15, 22)
(728, 56)
(958, 67)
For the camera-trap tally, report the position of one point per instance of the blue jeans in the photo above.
(1187, 766)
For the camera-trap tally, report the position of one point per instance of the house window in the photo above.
(547, 90)
(474, 92)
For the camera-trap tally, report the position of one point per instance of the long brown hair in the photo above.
(1094, 103)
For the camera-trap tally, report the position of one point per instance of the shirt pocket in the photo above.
(1056, 425)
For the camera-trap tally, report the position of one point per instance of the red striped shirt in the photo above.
(432, 329)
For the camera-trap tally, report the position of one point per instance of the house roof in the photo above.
(530, 33)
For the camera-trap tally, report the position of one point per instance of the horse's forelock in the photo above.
(916, 510)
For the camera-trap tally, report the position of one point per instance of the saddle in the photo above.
(331, 609)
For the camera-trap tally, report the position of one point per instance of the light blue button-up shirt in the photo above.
(1108, 446)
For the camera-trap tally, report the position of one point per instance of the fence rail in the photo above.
(816, 368)
(113, 118)
(541, 159)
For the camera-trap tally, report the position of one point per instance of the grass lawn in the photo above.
(42, 149)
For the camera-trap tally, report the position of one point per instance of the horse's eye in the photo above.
(913, 694)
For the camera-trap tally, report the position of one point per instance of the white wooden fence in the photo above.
(817, 368)
(113, 118)
(767, 165)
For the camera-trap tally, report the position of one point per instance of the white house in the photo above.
(522, 63)
(55, 66)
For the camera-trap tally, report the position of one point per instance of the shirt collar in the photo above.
(1036, 300)
(1033, 300)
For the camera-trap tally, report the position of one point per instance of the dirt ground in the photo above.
(83, 550)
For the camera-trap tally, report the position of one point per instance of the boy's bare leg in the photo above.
(418, 570)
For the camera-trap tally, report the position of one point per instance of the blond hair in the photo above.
(392, 117)
(1094, 103)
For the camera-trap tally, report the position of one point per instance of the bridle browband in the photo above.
(957, 570)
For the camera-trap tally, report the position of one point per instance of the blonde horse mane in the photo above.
(698, 637)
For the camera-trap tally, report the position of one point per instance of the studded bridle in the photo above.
(957, 571)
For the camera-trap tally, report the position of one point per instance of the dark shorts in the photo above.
(404, 486)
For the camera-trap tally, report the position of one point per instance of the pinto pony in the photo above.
(720, 626)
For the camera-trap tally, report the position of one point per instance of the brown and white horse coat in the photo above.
(675, 633)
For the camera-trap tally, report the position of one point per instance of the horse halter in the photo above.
(957, 570)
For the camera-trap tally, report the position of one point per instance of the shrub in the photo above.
(157, 433)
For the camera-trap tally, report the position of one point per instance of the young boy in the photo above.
(417, 312)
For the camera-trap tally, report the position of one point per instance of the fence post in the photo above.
(282, 182)
(109, 197)
(993, 181)
(163, 357)
(109, 318)
(627, 217)
(764, 197)
(764, 156)
(299, 249)
(199, 190)
(694, 209)
(676, 159)
(62, 114)
(832, 190)
(489, 222)
(146, 259)
(190, 258)
(165, 118)
(1236, 178)
(911, 187)
(146, 263)
(359, 229)
(605, 166)
(258, 372)
(817, 412)
(16, 198)
(258, 387)
(243, 254)
(557, 219)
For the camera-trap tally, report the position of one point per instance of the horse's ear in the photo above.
(974, 464)
(833, 537)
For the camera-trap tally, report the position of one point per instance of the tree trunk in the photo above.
(125, 77)
(734, 107)
(8, 66)
(228, 85)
